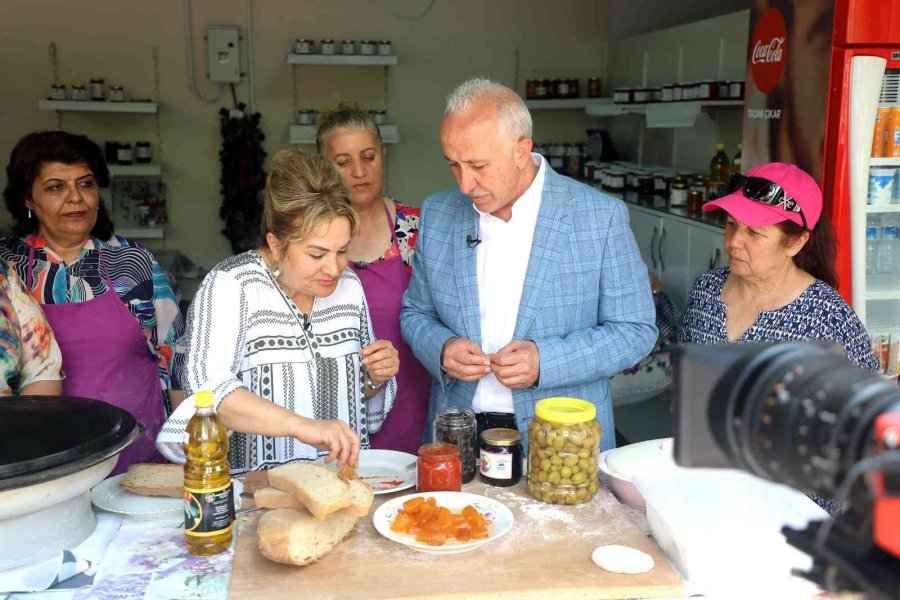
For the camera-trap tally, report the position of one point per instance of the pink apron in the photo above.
(106, 357)
(384, 282)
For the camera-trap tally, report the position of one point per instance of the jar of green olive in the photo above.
(563, 446)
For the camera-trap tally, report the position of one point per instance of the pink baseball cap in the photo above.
(797, 185)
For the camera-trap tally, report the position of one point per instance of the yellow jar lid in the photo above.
(565, 410)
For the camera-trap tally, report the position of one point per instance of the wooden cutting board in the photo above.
(547, 554)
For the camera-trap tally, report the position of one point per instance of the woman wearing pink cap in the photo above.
(780, 279)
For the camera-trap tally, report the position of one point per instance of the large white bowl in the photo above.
(39, 520)
(629, 460)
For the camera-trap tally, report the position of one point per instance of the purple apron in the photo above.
(106, 357)
(384, 282)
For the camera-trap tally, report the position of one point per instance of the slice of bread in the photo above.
(269, 497)
(361, 498)
(154, 480)
(319, 489)
(293, 537)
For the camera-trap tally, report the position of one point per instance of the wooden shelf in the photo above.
(102, 107)
(306, 134)
(142, 233)
(136, 170)
(342, 60)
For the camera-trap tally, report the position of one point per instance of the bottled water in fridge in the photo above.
(873, 233)
(890, 238)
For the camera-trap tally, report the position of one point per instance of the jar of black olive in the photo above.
(458, 426)
(501, 457)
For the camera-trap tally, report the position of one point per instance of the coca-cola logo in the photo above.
(768, 47)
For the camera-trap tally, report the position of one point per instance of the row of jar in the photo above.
(346, 47)
(549, 89)
(309, 116)
(96, 91)
(684, 189)
(681, 92)
(567, 158)
(123, 153)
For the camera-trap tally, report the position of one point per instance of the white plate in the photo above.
(498, 516)
(385, 471)
(109, 496)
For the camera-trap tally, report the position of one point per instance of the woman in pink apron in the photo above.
(380, 254)
(111, 351)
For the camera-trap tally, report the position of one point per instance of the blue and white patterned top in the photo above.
(819, 313)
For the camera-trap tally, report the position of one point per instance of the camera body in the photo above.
(801, 414)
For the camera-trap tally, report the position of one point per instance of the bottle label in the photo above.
(208, 512)
(496, 465)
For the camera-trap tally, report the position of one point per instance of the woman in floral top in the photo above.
(111, 308)
(381, 255)
(30, 361)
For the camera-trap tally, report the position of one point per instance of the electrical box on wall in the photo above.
(223, 53)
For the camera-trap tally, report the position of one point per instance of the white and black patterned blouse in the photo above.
(244, 331)
(819, 313)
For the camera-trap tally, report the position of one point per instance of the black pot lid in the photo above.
(47, 437)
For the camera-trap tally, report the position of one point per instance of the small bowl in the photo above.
(622, 484)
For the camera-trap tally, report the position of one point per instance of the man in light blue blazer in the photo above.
(525, 284)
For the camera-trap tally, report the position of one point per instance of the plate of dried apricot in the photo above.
(442, 522)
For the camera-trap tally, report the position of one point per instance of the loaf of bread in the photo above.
(269, 497)
(149, 479)
(361, 498)
(320, 489)
(293, 536)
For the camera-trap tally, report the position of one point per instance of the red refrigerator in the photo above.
(861, 166)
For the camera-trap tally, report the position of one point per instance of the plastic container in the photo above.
(208, 491)
(563, 450)
(628, 461)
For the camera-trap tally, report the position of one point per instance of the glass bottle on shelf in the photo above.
(736, 161)
(719, 172)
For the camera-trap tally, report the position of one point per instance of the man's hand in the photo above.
(517, 365)
(464, 360)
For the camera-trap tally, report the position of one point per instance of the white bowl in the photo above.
(621, 464)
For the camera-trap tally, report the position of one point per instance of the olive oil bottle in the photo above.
(208, 493)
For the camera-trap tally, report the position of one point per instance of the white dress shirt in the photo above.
(502, 262)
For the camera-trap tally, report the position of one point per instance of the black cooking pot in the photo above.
(47, 437)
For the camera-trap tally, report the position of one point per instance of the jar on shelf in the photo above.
(641, 95)
(98, 90)
(668, 93)
(678, 193)
(661, 181)
(124, 155)
(367, 47)
(623, 95)
(694, 202)
(687, 91)
(500, 462)
(699, 183)
(142, 152)
(457, 426)
(303, 47)
(541, 91)
(57, 92)
(707, 90)
(116, 93)
(530, 84)
(563, 449)
(724, 90)
(574, 88)
(438, 468)
(348, 47)
(561, 88)
(385, 48)
(574, 161)
(615, 180)
(594, 88)
(327, 47)
(678, 92)
(306, 117)
(656, 94)
(736, 90)
(645, 184)
(79, 93)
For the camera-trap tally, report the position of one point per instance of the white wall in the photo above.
(633, 17)
(451, 42)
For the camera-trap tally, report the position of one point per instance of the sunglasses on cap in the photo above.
(765, 191)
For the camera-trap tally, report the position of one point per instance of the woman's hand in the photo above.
(381, 360)
(334, 436)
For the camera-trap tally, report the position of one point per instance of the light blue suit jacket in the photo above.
(586, 301)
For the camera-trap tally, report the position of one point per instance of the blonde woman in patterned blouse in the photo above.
(282, 336)
(29, 356)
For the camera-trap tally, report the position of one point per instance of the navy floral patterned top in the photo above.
(819, 313)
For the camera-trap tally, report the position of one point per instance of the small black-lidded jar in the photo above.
(501, 457)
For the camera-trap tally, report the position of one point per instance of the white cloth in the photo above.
(244, 331)
(502, 263)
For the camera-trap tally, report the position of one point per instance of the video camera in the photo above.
(801, 414)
